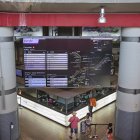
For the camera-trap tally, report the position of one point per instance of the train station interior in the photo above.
(60, 58)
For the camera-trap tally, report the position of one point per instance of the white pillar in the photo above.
(9, 126)
(128, 94)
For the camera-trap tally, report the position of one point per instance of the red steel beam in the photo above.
(88, 20)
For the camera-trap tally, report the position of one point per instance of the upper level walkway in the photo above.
(119, 13)
(70, 6)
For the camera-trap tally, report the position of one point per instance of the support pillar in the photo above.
(127, 125)
(9, 126)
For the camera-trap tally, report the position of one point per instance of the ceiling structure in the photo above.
(81, 13)
(40, 6)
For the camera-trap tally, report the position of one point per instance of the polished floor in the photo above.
(36, 127)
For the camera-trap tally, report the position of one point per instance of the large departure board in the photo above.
(67, 62)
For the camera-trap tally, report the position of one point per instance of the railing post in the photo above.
(95, 135)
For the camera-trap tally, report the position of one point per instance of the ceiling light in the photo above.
(102, 18)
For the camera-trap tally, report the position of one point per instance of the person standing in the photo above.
(92, 103)
(88, 121)
(90, 110)
(109, 132)
(74, 125)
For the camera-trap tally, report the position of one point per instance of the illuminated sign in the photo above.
(68, 62)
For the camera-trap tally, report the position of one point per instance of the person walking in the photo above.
(74, 125)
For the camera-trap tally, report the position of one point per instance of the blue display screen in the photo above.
(19, 72)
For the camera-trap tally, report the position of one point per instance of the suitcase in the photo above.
(82, 127)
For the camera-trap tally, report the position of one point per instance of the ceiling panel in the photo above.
(68, 7)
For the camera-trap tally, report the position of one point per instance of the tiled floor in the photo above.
(36, 127)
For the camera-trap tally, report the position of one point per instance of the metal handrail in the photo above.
(95, 124)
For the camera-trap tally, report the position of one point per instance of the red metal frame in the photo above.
(64, 19)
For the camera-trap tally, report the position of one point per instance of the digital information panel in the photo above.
(67, 62)
(35, 79)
